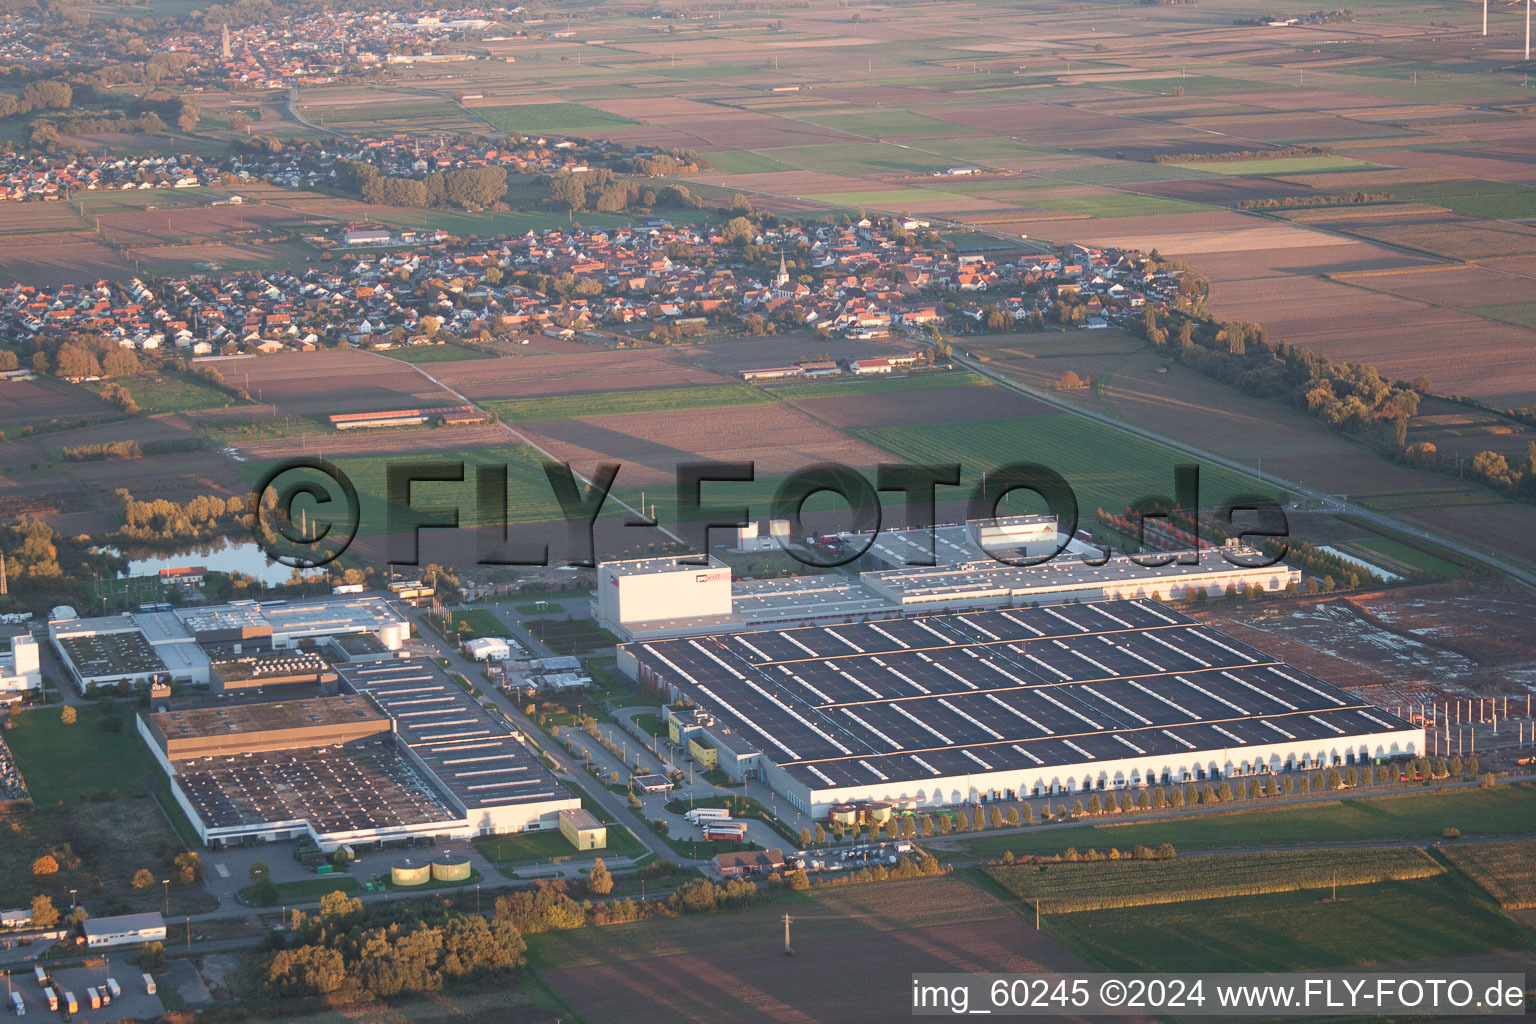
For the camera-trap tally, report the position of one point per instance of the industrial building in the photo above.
(124, 929)
(656, 598)
(404, 752)
(642, 589)
(488, 777)
(164, 646)
(20, 667)
(1008, 703)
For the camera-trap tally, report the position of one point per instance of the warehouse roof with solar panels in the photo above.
(1023, 696)
(472, 753)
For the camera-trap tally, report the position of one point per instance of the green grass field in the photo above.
(1413, 558)
(67, 762)
(1283, 165)
(381, 113)
(1503, 810)
(435, 354)
(481, 622)
(1428, 917)
(553, 118)
(1099, 885)
(168, 392)
(310, 890)
(529, 497)
(614, 403)
(1106, 468)
(744, 161)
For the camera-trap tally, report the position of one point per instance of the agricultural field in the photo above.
(1105, 468)
(1506, 871)
(1504, 810)
(1439, 916)
(849, 942)
(558, 118)
(612, 403)
(1067, 888)
(168, 392)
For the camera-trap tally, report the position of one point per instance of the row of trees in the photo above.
(163, 519)
(601, 190)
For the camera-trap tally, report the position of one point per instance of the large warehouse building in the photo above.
(1010, 703)
(406, 753)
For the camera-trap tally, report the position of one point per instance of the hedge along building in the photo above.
(956, 709)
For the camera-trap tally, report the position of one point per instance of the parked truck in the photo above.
(71, 1004)
(149, 984)
(52, 997)
(18, 1005)
(698, 815)
(114, 989)
(41, 975)
(93, 997)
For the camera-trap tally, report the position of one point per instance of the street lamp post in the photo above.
(167, 883)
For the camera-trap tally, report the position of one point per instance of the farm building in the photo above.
(1009, 703)
(749, 862)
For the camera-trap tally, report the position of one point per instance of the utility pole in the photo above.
(788, 950)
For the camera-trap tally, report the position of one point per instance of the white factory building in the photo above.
(651, 598)
(20, 669)
(170, 645)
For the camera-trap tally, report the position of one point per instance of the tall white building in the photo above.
(20, 667)
(646, 589)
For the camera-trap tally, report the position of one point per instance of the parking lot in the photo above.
(133, 1003)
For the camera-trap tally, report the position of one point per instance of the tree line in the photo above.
(1241, 154)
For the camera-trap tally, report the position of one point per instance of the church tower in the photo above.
(783, 276)
(224, 47)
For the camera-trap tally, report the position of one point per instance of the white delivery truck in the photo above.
(149, 984)
(18, 1005)
(114, 989)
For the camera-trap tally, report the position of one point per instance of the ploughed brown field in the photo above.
(332, 381)
(856, 948)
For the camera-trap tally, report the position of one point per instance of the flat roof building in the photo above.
(124, 929)
(957, 708)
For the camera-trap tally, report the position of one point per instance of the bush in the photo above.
(1451, 833)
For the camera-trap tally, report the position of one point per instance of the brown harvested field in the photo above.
(1435, 230)
(589, 370)
(729, 356)
(855, 949)
(179, 477)
(36, 401)
(1507, 529)
(1458, 285)
(1460, 353)
(914, 408)
(331, 381)
(775, 437)
(55, 259)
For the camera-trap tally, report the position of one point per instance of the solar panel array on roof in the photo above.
(472, 753)
(955, 695)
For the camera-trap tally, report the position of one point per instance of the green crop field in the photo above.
(889, 122)
(481, 622)
(1105, 884)
(872, 158)
(101, 752)
(744, 161)
(888, 199)
(1283, 165)
(1521, 314)
(1444, 915)
(1507, 871)
(553, 118)
(1115, 204)
(1106, 468)
(891, 385)
(615, 403)
(1503, 810)
(168, 392)
(381, 113)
